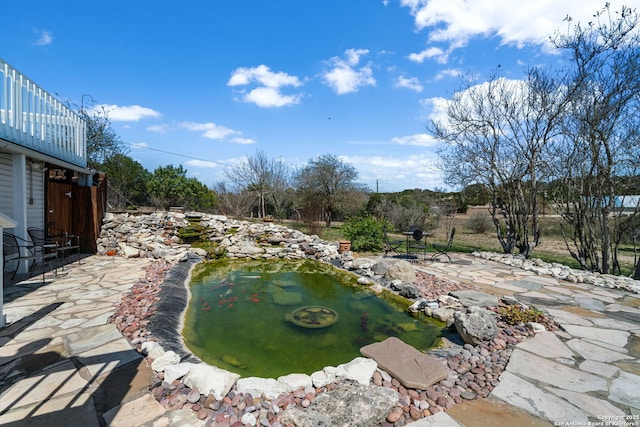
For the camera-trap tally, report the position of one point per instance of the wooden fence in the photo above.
(77, 210)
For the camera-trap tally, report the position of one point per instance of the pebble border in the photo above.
(475, 369)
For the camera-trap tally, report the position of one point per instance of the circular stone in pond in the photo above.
(313, 316)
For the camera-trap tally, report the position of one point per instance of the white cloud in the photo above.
(455, 22)
(130, 113)
(409, 83)
(243, 140)
(267, 97)
(268, 93)
(420, 139)
(344, 77)
(158, 128)
(45, 38)
(263, 75)
(201, 164)
(391, 173)
(436, 53)
(450, 72)
(209, 130)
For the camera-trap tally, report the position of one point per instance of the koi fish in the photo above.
(230, 305)
(207, 308)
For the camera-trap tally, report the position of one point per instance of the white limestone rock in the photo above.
(256, 386)
(167, 359)
(296, 381)
(173, 372)
(210, 380)
(360, 369)
(152, 349)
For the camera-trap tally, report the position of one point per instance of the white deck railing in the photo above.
(32, 118)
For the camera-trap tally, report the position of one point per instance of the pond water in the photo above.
(245, 317)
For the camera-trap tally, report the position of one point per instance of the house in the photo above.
(44, 180)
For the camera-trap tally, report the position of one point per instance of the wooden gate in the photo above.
(77, 210)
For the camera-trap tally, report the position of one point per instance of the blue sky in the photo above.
(206, 83)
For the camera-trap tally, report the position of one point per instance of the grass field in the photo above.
(551, 247)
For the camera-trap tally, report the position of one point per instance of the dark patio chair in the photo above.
(67, 243)
(443, 249)
(16, 249)
(391, 245)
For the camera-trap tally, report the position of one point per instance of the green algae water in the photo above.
(242, 317)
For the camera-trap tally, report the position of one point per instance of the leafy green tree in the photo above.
(102, 141)
(365, 233)
(127, 180)
(203, 200)
(328, 182)
(167, 186)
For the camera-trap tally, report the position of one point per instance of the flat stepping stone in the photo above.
(470, 297)
(556, 374)
(90, 338)
(526, 284)
(411, 367)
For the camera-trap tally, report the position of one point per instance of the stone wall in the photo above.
(155, 235)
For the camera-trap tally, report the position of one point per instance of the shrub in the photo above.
(479, 223)
(365, 232)
(516, 314)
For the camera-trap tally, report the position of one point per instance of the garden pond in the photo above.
(267, 319)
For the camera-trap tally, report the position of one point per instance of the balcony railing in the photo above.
(32, 118)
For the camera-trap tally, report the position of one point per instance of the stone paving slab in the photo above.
(624, 389)
(58, 381)
(595, 352)
(593, 406)
(537, 368)
(492, 412)
(109, 356)
(471, 297)
(88, 339)
(522, 394)
(134, 413)
(606, 336)
(546, 344)
(60, 411)
(411, 367)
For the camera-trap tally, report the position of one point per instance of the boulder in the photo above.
(173, 372)
(380, 268)
(359, 369)
(167, 359)
(296, 381)
(324, 377)
(346, 405)
(256, 386)
(210, 379)
(476, 325)
(152, 349)
(401, 270)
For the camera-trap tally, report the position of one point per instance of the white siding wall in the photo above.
(35, 195)
(6, 186)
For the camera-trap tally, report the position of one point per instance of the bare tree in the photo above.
(495, 133)
(235, 202)
(266, 178)
(327, 182)
(600, 139)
